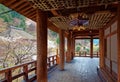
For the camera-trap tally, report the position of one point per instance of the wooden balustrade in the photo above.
(52, 61)
(85, 54)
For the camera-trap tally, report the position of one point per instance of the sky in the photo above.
(96, 41)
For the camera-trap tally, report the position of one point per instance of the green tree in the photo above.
(57, 40)
(21, 18)
(8, 15)
(77, 49)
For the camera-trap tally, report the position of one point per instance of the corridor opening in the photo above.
(87, 47)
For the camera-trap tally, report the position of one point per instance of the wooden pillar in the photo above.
(57, 57)
(61, 35)
(68, 55)
(91, 47)
(101, 47)
(41, 46)
(73, 47)
(118, 40)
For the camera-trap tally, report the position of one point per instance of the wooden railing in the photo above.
(85, 54)
(25, 69)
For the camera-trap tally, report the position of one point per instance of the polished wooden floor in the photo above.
(81, 69)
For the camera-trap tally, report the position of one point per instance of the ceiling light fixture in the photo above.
(79, 20)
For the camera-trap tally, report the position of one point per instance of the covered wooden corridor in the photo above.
(73, 19)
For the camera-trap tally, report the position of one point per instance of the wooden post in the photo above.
(68, 55)
(118, 40)
(61, 35)
(97, 54)
(101, 47)
(73, 47)
(85, 54)
(53, 62)
(57, 57)
(25, 69)
(49, 63)
(56, 51)
(8, 75)
(36, 67)
(91, 47)
(41, 46)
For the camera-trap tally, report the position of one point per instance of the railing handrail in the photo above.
(16, 66)
(8, 71)
(85, 54)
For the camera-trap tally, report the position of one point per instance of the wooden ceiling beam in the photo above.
(86, 31)
(88, 38)
(5, 2)
(32, 15)
(19, 3)
(20, 8)
(1, 1)
(54, 12)
(26, 9)
(29, 12)
(85, 34)
(66, 33)
(52, 27)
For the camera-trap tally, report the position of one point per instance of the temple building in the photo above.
(74, 20)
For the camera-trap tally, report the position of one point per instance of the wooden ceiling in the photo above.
(61, 12)
(86, 33)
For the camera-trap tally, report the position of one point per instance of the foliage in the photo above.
(54, 34)
(77, 49)
(22, 19)
(6, 16)
(85, 45)
(96, 48)
(9, 17)
(57, 40)
(87, 50)
(18, 52)
(15, 50)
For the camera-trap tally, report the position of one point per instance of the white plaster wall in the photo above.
(114, 27)
(115, 67)
(111, 51)
(107, 62)
(114, 47)
(107, 31)
(108, 47)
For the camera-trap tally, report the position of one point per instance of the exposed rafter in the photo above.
(60, 11)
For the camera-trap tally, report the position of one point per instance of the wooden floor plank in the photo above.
(81, 69)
